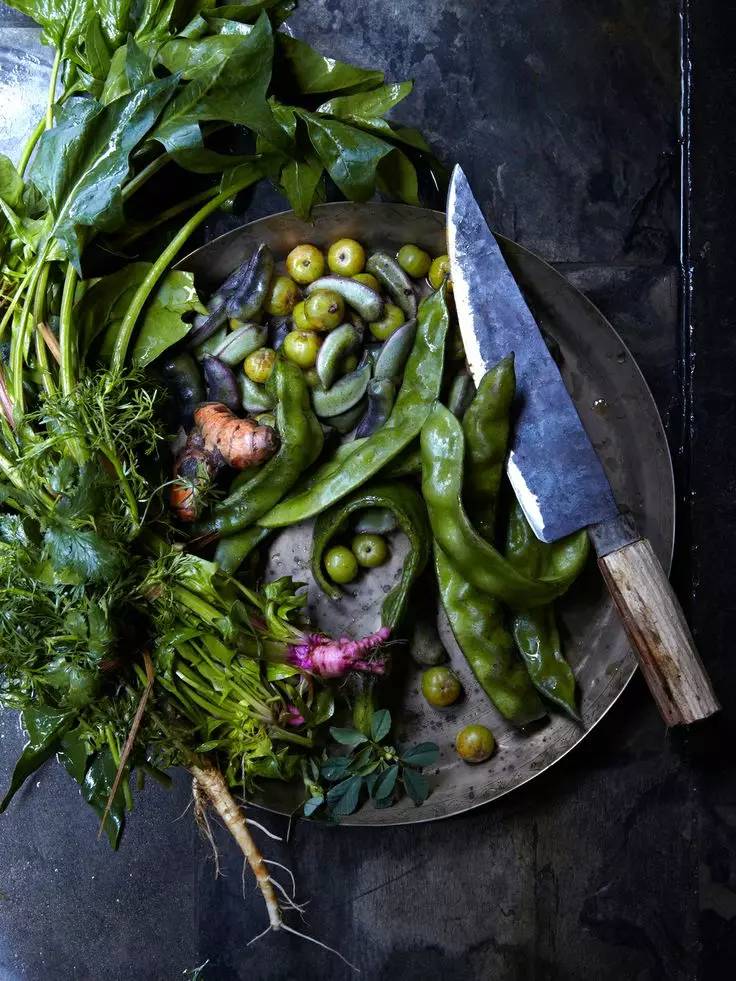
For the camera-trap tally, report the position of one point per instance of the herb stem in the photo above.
(39, 314)
(52, 89)
(13, 303)
(31, 145)
(20, 335)
(130, 498)
(67, 369)
(167, 215)
(143, 175)
(160, 265)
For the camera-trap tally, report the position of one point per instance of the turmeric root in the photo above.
(240, 442)
(219, 438)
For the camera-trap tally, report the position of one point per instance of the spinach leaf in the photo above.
(302, 183)
(83, 162)
(96, 789)
(103, 306)
(365, 104)
(63, 22)
(45, 727)
(397, 177)
(73, 752)
(11, 183)
(228, 78)
(162, 319)
(303, 70)
(349, 155)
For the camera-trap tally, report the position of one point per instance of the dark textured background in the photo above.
(619, 863)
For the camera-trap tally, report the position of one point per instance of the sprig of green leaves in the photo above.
(371, 769)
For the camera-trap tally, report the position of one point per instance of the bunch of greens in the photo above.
(369, 769)
(122, 652)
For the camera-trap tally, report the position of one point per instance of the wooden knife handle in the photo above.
(659, 632)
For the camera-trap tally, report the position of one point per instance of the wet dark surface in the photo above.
(619, 862)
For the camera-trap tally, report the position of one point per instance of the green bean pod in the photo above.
(233, 551)
(419, 391)
(343, 395)
(376, 521)
(535, 630)
(381, 396)
(486, 426)
(345, 422)
(408, 510)
(442, 448)
(395, 351)
(409, 464)
(461, 394)
(211, 344)
(254, 397)
(247, 298)
(390, 274)
(365, 301)
(301, 444)
(477, 621)
(236, 345)
(184, 380)
(340, 342)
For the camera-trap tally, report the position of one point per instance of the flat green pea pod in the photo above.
(486, 426)
(343, 395)
(406, 506)
(461, 394)
(535, 630)
(233, 551)
(253, 397)
(477, 621)
(443, 449)
(301, 444)
(409, 464)
(419, 391)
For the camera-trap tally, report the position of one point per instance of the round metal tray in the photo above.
(622, 419)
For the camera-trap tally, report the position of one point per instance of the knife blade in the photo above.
(553, 467)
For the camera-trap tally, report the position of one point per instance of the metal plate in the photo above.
(621, 417)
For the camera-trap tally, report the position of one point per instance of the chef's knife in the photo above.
(554, 469)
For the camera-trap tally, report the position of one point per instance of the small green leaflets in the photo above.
(386, 783)
(343, 798)
(417, 786)
(424, 754)
(312, 805)
(348, 737)
(380, 725)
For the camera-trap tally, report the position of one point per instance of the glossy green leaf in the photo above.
(162, 318)
(349, 155)
(397, 177)
(63, 21)
(385, 784)
(96, 789)
(312, 805)
(335, 768)
(45, 728)
(73, 752)
(301, 180)
(11, 183)
(343, 798)
(244, 12)
(347, 737)
(423, 754)
(309, 72)
(380, 725)
(417, 786)
(82, 162)
(228, 78)
(376, 102)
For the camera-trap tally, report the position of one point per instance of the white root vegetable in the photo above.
(213, 784)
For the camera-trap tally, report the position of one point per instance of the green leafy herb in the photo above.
(370, 769)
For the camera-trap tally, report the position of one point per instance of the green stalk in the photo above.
(165, 216)
(52, 89)
(161, 264)
(130, 498)
(39, 314)
(31, 145)
(20, 335)
(67, 346)
(196, 604)
(142, 176)
(14, 303)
